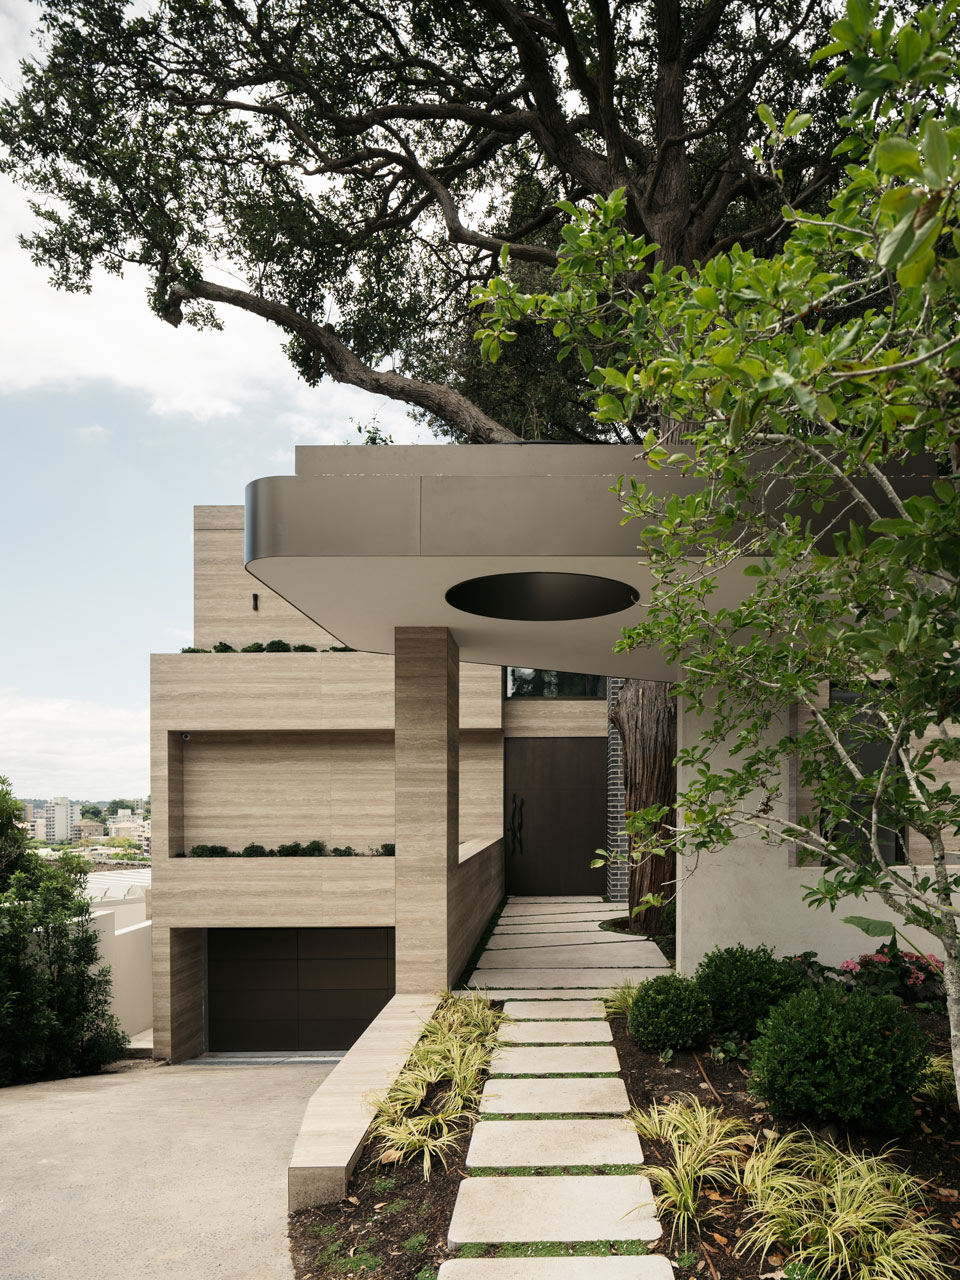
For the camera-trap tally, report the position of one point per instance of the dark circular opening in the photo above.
(541, 597)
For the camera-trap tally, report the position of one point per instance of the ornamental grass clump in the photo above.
(742, 984)
(826, 1056)
(669, 1012)
(704, 1150)
(618, 1001)
(841, 1215)
(435, 1098)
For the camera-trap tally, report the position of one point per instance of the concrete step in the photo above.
(585, 955)
(563, 980)
(530, 1144)
(581, 899)
(577, 1095)
(653, 1267)
(545, 1010)
(560, 1209)
(544, 993)
(555, 1059)
(561, 936)
(559, 1031)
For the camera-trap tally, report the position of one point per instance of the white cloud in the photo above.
(92, 435)
(61, 746)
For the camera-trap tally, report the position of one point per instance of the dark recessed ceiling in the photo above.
(541, 597)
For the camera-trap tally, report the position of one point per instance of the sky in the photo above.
(113, 426)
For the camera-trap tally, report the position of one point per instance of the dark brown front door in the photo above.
(290, 989)
(555, 814)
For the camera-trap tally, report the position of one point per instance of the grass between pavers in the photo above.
(556, 1075)
(557, 1171)
(551, 1115)
(576, 1249)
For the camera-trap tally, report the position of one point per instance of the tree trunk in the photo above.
(645, 716)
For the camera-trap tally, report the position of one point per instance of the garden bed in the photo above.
(392, 1225)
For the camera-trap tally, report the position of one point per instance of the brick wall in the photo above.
(617, 871)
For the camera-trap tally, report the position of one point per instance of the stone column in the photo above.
(427, 684)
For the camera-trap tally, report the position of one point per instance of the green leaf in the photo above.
(873, 928)
(895, 245)
(936, 151)
(899, 156)
(766, 115)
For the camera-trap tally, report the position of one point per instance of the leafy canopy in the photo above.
(807, 408)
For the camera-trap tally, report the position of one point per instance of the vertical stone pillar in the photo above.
(179, 957)
(427, 693)
(618, 873)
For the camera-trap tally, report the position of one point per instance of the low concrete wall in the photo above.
(128, 953)
(338, 1115)
(474, 892)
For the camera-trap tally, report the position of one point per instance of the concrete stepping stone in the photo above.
(588, 955)
(535, 909)
(592, 1031)
(549, 1009)
(555, 1059)
(567, 979)
(575, 925)
(529, 1144)
(542, 993)
(653, 1267)
(562, 937)
(561, 1209)
(576, 1095)
(551, 922)
(576, 898)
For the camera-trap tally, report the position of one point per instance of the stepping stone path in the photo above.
(573, 1106)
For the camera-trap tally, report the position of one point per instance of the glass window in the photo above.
(529, 682)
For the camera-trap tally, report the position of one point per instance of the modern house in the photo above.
(445, 590)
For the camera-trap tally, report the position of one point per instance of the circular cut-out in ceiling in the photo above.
(541, 597)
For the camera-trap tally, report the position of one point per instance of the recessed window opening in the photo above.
(531, 682)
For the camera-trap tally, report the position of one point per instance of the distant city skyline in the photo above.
(113, 426)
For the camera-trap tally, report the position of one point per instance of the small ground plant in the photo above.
(436, 1096)
(669, 1012)
(742, 984)
(826, 1056)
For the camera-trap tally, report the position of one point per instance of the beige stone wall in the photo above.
(223, 590)
(474, 891)
(275, 787)
(560, 718)
(178, 980)
(286, 893)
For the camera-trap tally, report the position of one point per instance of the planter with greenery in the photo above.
(312, 849)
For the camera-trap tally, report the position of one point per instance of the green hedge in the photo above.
(312, 849)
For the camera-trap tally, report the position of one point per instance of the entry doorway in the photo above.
(555, 814)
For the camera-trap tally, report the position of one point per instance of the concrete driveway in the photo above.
(151, 1172)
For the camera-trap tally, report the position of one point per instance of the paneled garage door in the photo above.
(295, 988)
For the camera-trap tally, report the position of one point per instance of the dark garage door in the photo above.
(555, 814)
(295, 988)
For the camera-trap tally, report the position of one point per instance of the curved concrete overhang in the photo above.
(364, 540)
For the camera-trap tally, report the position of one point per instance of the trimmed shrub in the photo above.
(294, 850)
(190, 649)
(253, 851)
(742, 984)
(314, 849)
(854, 1059)
(222, 647)
(347, 851)
(304, 648)
(669, 1012)
(256, 647)
(277, 646)
(385, 851)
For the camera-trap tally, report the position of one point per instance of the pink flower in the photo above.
(849, 966)
(878, 956)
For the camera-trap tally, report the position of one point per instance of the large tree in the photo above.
(805, 561)
(350, 171)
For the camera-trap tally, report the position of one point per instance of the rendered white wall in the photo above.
(128, 953)
(749, 893)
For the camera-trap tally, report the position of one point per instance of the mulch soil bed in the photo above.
(393, 1226)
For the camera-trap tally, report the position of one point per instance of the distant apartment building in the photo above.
(86, 829)
(129, 825)
(60, 817)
